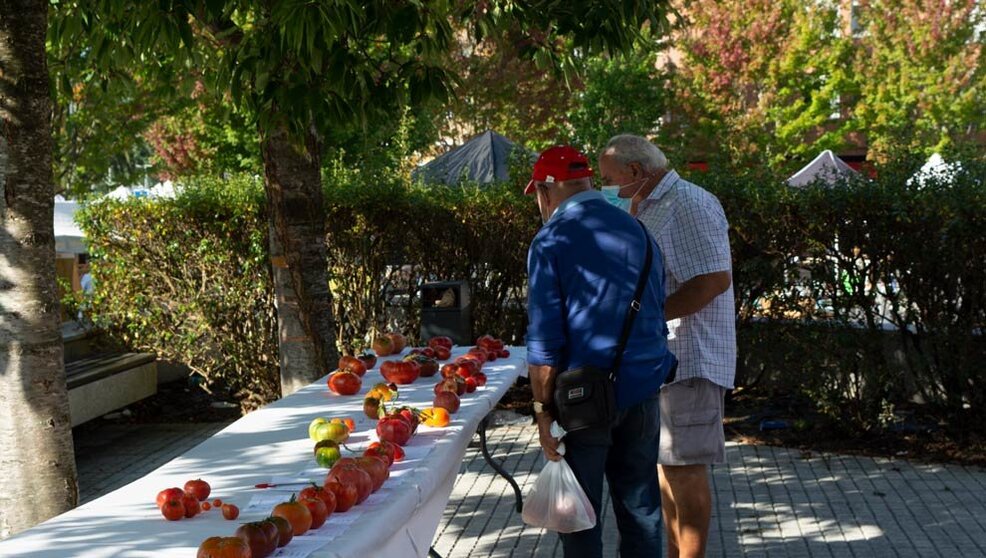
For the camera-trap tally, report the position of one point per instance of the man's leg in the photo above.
(691, 440)
(585, 453)
(687, 503)
(631, 470)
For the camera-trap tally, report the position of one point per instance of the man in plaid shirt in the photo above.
(690, 227)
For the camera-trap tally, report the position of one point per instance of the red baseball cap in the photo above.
(558, 164)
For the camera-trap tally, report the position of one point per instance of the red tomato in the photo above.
(393, 451)
(350, 424)
(198, 488)
(471, 384)
(400, 372)
(173, 510)
(479, 354)
(455, 384)
(256, 536)
(378, 452)
(428, 352)
(467, 367)
(368, 359)
(224, 547)
(217, 503)
(206, 506)
(428, 367)
(449, 369)
(230, 511)
(191, 504)
(480, 378)
(315, 491)
(344, 382)
(440, 341)
(378, 470)
(348, 472)
(394, 430)
(399, 342)
(448, 401)
(169, 494)
(317, 509)
(273, 533)
(504, 353)
(442, 353)
(285, 531)
(352, 364)
(383, 346)
(346, 494)
(296, 513)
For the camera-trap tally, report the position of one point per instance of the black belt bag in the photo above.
(585, 397)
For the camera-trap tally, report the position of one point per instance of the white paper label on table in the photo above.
(300, 547)
(346, 518)
(328, 531)
(264, 502)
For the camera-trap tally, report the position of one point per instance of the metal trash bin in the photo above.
(446, 309)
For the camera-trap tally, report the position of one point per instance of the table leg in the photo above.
(496, 466)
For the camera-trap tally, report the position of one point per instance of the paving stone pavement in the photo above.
(769, 502)
(111, 455)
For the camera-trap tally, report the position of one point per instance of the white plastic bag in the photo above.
(557, 501)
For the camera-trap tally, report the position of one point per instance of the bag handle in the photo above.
(634, 308)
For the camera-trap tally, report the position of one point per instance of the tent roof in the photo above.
(68, 235)
(484, 158)
(935, 169)
(826, 167)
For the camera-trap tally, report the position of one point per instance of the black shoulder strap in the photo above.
(634, 305)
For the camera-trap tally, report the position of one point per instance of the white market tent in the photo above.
(826, 168)
(935, 170)
(68, 236)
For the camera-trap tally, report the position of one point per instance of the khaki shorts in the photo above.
(691, 423)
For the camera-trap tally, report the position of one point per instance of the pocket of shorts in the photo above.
(695, 418)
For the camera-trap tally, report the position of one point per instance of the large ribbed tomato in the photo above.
(393, 429)
(224, 547)
(344, 382)
(400, 371)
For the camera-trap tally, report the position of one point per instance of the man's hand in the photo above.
(548, 442)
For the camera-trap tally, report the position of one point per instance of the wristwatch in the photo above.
(540, 407)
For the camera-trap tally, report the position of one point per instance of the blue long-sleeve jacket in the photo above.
(583, 268)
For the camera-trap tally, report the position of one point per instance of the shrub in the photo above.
(861, 296)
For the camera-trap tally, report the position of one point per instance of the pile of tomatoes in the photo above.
(176, 503)
(347, 484)
(351, 480)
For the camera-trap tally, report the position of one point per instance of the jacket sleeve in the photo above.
(545, 310)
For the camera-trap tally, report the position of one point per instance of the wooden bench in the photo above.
(100, 383)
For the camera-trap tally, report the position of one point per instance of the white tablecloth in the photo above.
(399, 520)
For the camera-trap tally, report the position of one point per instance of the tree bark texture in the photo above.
(37, 460)
(306, 333)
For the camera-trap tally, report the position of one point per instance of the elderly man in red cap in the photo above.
(597, 349)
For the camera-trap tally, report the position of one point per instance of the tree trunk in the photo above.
(37, 460)
(306, 334)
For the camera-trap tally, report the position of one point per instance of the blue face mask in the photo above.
(612, 195)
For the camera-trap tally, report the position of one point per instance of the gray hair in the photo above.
(628, 148)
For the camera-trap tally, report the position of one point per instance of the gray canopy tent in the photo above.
(484, 158)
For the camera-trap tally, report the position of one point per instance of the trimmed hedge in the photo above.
(862, 296)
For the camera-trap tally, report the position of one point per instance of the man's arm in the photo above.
(695, 294)
(543, 388)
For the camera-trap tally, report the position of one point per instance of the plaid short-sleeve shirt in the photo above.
(690, 227)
